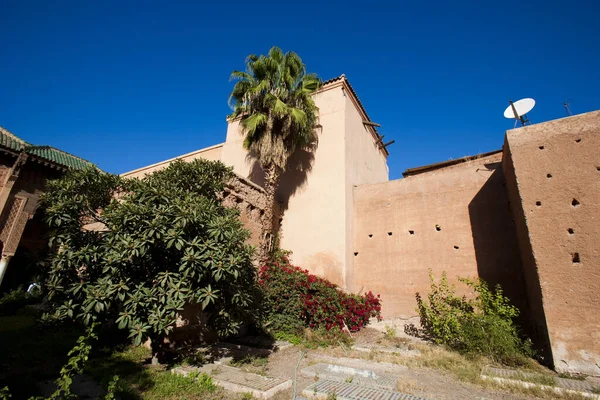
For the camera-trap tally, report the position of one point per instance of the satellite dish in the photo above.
(518, 109)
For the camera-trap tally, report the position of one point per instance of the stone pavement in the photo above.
(571, 384)
(368, 347)
(350, 383)
(360, 377)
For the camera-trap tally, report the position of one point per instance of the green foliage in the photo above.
(112, 388)
(390, 331)
(481, 325)
(15, 299)
(167, 242)
(77, 359)
(273, 99)
(5, 393)
(255, 361)
(322, 337)
(288, 337)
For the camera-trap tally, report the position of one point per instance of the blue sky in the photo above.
(129, 83)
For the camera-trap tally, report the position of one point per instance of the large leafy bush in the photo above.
(164, 241)
(295, 299)
(482, 324)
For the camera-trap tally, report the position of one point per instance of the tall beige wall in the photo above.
(551, 165)
(313, 198)
(476, 235)
(365, 162)
(212, 153)
(316, 190)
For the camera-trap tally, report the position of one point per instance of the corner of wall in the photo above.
(538, 328)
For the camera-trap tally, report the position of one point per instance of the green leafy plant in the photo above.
(480, 325)
(16, 299)
(5, 393)
(78, 356)
(112, 388)
(390, 331)
(159, 244)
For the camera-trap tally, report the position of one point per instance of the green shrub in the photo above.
(481, 325)
(295, 300)
(168, 242)
(16, 299)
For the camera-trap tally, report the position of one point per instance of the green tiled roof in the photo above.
(13, 142)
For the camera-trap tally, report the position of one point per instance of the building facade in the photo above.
(24, 170)
(478, 216)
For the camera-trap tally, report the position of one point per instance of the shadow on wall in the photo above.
(295, 176)
(495, 239)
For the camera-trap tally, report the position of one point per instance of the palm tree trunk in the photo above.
(272, 175)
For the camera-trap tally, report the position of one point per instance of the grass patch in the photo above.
(546, 380)
(468, 369)
(566, 375)
(139, 380)
(30, 353)
(254, 361)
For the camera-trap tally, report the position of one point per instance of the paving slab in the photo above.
(572, 384)
(362, 377)
(351, 391)
(368, 347)
(238, 381)
(263, 342)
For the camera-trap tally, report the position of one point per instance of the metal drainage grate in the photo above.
(348, 391)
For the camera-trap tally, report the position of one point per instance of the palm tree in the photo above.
(273, 99)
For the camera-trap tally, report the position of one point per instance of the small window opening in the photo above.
(549, 176)
(355, 253)
(438, 228)
(411, 232)
(389, 233)
(576, 259)
(577, 140)
(456, 247)
(575, 203)
(538, 203)
(541, 147)
(370, 235)
(571, 231)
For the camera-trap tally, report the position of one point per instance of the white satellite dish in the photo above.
(518, 109)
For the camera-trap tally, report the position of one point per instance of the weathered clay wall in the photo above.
(556, 186)
(454, 219)
(365, 163)
(312, 190)
(212, 153)
(239, 192)
(250, 200)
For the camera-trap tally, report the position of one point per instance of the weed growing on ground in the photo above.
(566, 375)
(479, 326)
(288, 337)
(390, 331)
(254, 361)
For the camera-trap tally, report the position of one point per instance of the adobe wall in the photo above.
(238, 193)
(555, 180)
(212, 153)
(312, 190)
(454, 219)
(365, 163)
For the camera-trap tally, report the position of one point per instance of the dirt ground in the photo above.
(422, 382)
